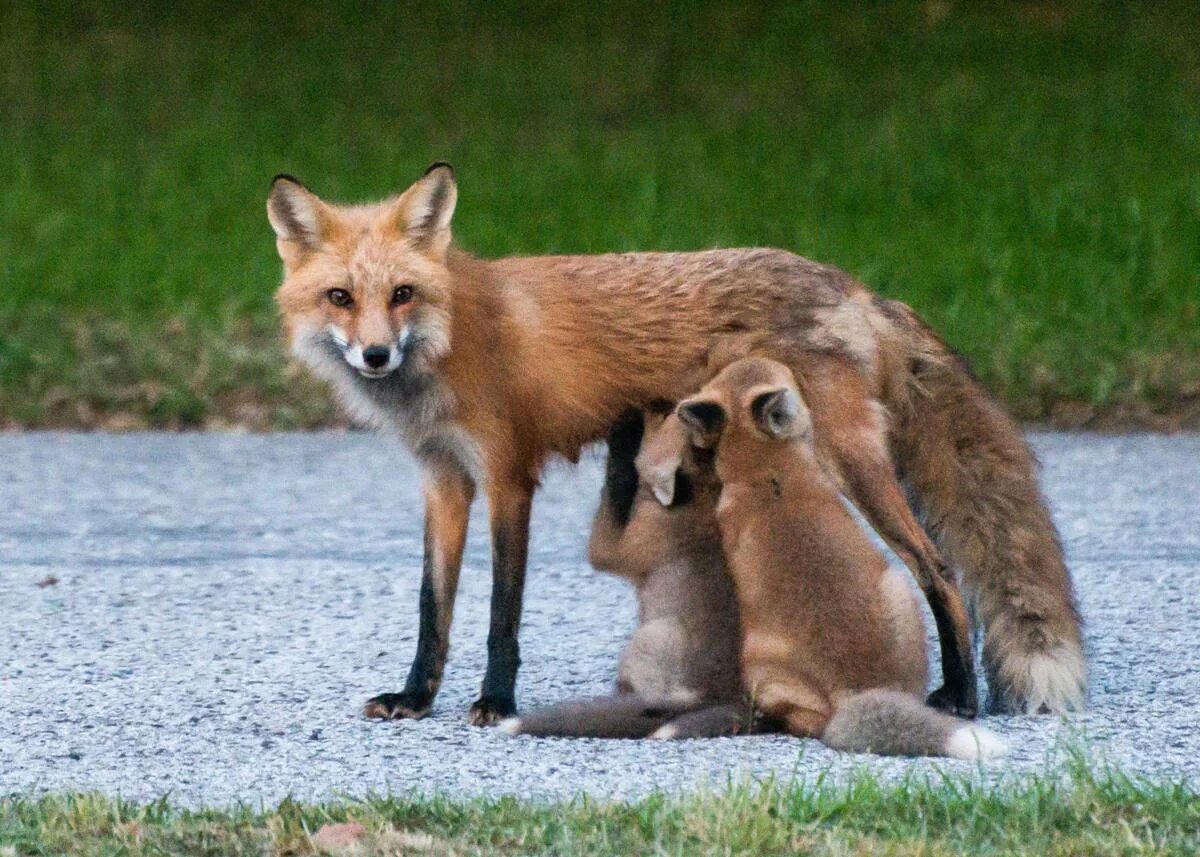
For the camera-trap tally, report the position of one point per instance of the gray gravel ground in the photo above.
(225, 604)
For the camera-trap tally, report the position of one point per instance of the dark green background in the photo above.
(1025, 176)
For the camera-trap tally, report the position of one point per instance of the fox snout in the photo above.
(375, 359)
(377, 356)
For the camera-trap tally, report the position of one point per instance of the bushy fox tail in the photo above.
(974, 485)
(625, 716)
(891, 723)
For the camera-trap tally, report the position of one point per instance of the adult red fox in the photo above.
(488, 367)
(832, 642)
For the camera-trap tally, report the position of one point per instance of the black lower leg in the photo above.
(509, 545)
(620, 474)
(959, 692)
(425, 674)
(499, 682)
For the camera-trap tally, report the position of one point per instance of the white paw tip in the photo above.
(974, 743)
(665, 733)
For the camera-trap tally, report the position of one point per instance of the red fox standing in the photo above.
(488, 367)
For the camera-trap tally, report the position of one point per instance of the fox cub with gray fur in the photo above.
(679, 675)
(833, 645)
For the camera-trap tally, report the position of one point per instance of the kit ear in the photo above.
(426, 209)
(658, 466)
(776, 412)
(662, 484)
(296, 213)
(704, 419)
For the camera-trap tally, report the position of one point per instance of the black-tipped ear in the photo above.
(295, 212)
(704, 418)
(776, 412)
(427, 207)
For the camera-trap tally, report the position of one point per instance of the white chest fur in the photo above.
(415, 405)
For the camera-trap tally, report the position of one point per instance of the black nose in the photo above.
(377, 356)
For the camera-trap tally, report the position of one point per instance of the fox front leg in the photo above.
(510, 505)
(448, 499)
(872, 487)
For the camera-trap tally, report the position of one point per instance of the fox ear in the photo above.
(777, 412)
(661, 457)
(427, 206)
(704, 419)
(661, 477)
(296, 213)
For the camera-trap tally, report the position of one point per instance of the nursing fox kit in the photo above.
(679, 676)
(832, 641)
(488, 368)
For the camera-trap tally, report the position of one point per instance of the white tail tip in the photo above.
(974, 743)
(664, 733)
(510, 726)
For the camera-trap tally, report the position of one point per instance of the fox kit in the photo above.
(486, 368)
(657, 528)
(833, 646)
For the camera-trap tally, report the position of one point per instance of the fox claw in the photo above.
(396, 706)
(953, 702)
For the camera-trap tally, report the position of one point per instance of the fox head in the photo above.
(365, 286)
(750, 407)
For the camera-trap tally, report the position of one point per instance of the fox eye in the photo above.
(402, 295)
(339, 297)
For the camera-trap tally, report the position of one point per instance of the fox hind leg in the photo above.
(881, 500)
(851, 432)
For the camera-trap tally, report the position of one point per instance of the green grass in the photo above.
(1087, 813)
(1024, 175)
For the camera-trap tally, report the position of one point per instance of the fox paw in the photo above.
(397, 706)
(487, 711)
(951, 701)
